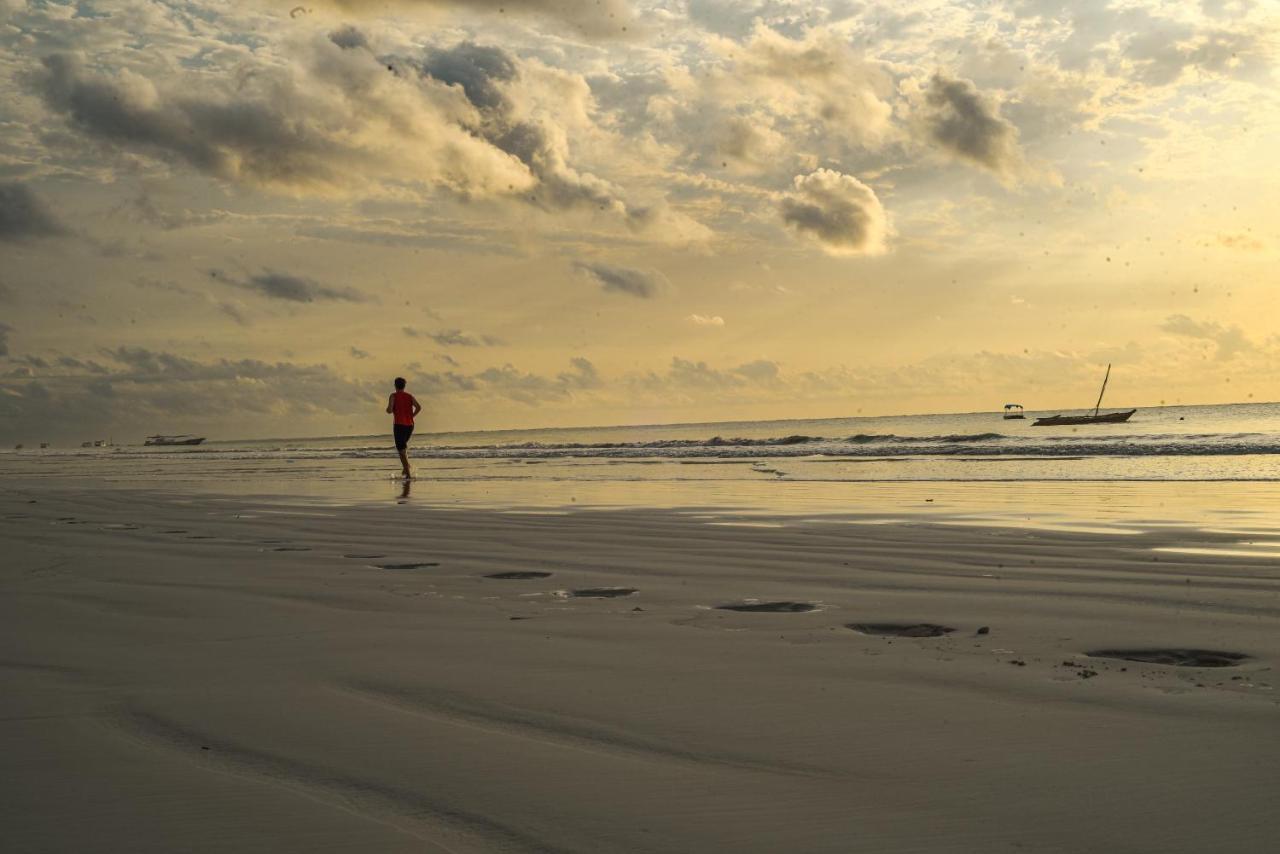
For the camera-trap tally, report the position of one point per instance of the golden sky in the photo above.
(245, 218)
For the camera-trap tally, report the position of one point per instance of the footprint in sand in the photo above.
(769, 607)
(901, 630)
(1174, 657)
(602, 592)
(518, 576)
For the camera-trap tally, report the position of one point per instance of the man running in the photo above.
(402, 406)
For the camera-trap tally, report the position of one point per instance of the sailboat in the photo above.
(1095, 418)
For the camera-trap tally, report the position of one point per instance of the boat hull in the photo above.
(174, 441)
(1068, 420)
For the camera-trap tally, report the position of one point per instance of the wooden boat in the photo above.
(1107, 418)
(183, 439)
(1096, 418)
(1013, 411)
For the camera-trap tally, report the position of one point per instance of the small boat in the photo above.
(44, 444)
(183, 439)
(1013, 411)
(1095, 418)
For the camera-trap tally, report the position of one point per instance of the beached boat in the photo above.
(1096, 418)
(184, 439)
(1013, 411)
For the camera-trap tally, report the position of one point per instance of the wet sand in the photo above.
(230, 674)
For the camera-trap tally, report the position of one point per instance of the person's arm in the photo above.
(391, 402)
(417, 407)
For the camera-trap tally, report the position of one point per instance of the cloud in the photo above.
(357, 353)
(511, 383)
(143, 388)
(645, 284)
(838, 211)
(348, 38)
(582, 375)
(1230, 341)
(706, 320)
(595, 18)
(455, 338)
(768, 104)
(23, 215)
(687, 377)
(5, 329)
(486, 75)
(1242, 241)
(330, 120)
(234, 312)
(531, 112)
(289, 287)
(142, 208)
(967, 125)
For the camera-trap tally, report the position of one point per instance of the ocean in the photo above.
(1175, 463)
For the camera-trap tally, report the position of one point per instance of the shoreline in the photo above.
(218, 673)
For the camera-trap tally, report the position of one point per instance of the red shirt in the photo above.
(402, 408)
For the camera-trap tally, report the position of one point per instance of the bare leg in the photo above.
(404, 461)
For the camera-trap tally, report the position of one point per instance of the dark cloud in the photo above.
(5, 329)
(838, 211)
(645, 284)
(348, 38)
(289, 287)
(23, 215)
(225, 138)
(483, 72)
(478, 69)
(1229, 341)
(142, 388)
(455, 338)
(88, 365)
(583, 375)
(334, 119)
(357, 353)
(964, 123)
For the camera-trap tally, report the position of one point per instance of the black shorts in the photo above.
(402, 432)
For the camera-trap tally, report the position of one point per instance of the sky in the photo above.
(245, 218)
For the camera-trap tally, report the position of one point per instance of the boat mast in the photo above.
(1104, 391)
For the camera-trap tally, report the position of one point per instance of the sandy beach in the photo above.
(205, 673)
